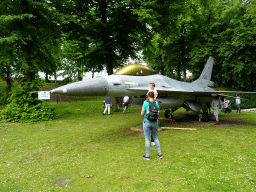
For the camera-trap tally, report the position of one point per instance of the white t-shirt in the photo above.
(238, 100)
(126, 99)
(155, 92)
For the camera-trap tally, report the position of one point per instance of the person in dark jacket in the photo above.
(107, 105)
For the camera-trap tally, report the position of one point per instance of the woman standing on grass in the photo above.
(150, 126)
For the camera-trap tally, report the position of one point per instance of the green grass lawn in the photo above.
(83, 150)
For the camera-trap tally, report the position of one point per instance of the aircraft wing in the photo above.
(184, 91)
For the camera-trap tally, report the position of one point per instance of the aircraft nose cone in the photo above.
(91, 87)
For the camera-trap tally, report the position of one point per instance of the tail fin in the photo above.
(205, 77)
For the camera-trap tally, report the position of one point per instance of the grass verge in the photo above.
(83, 150)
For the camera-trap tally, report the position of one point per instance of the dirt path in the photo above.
(192, 120)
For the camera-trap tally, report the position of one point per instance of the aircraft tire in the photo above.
(168, 114)
(205, 117)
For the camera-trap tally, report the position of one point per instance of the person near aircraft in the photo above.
(133, 80)
(126, 103)
(107, 105)
(152, 88)
(215, 107)
(238, 102)
(150, 126)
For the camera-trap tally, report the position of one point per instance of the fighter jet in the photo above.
(133, 80)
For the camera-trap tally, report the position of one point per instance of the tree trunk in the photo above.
(29, 75)
(29, 72)
(114, 101)
(105, 36)
(46, 77)
(80, 76)
(185, 75)
(55, 76)
(92, 73)
(8, 80)
(110, 70)
(252, 81)
(178, 74)
(80, 72)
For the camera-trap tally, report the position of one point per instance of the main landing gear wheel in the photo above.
(168, 114)
(205, 117)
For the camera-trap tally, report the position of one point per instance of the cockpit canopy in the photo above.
(135, 69)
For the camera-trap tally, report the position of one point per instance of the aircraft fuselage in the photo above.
(121, 85)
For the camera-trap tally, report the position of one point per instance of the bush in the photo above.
(4, 99)
(25, 107)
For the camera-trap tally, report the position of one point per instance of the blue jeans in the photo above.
(149, 126)
(238, 108)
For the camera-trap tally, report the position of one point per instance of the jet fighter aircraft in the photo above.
(133, 80)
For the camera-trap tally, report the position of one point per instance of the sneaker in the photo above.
(147, 158)
(103, 113)
(160, 156)
(217, 122)
(153, 144)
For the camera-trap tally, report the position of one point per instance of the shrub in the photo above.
(24, 106)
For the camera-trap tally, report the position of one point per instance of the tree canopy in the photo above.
(222, 29)
(175, 36)
(107, 32)
(29, 29)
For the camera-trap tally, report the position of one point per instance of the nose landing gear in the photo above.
(168, 114)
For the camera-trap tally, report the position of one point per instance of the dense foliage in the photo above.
(175, 36)
(29, 38)
(25, 107)
(224, 29)
(103, 33)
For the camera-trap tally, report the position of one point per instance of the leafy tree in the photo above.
(228, 33)
(25, 107)
(223, 29)
(31, 29)
(153, 54)
(29, 42)
(107, 32)
(171, 46)
(74, 61)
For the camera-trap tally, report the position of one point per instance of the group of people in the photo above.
(150, 110)
(215, 106)
(108, 103)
